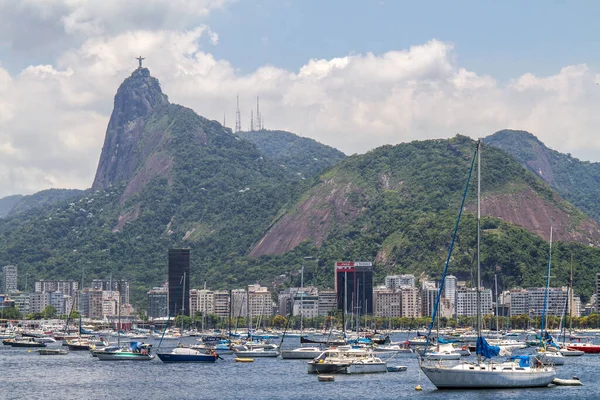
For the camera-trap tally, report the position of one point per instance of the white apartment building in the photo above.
(9, 279)
(466, 302)
(450, 288)
(403, 302)
(239, 303)
(530, 302)
(327, 302)
(221, 303)
(399, 281)
(202, 300)
(259, 301)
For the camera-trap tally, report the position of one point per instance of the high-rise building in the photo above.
(399, 281)
(113, 285)
(259, 301)
(179, 267)
(354, 287)
(388, 303)
(327, 302)
(450, 288)
(466, 302)
(9, 279)
(203, 301)
(91, 303)
(597, 289)
(158, 302)
(239, 303)
(222, 302)
(69, 288)
(428, 299)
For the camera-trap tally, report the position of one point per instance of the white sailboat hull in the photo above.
(469, 376)
(366, 368)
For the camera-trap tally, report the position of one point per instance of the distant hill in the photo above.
(44, 199)
(575, 180)
(298, 155)
(7, 203)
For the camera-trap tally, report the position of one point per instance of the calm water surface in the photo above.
(27, 375)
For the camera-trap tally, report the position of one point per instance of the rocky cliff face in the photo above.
(137, 97)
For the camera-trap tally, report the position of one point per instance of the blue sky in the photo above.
(350, 74)
(500, 38)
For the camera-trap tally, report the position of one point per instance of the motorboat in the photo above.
(188, 355)
(346, 360)
(53, 352)
(301, 353)
(251, 351)
(397, 348)
(26, 342)
(135, 352)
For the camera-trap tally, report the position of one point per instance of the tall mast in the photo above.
(478, 289)
(345, 299)
(182, 305)
(357, 307)
(496, 288)
(301, 297)
(547, 286)
(571, 300)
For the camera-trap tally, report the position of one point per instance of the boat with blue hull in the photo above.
(187, 355)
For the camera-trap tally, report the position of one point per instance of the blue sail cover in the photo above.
(485, 350)
(446, 341)
(524, 361)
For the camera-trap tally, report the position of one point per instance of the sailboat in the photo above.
(182, 354)
(301, 352)
(136, 351)
(548, 351)
(519, 372)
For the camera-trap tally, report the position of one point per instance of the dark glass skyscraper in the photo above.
(179, 265)
(354, 286)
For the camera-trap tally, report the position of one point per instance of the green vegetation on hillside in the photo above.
(576, 181)
(298, 155)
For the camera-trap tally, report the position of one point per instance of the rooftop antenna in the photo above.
(258, 116)
(238, 120)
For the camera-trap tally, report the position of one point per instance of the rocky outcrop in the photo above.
(327, 204)
(530, 211)
(137, 97)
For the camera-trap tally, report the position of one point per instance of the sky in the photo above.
(352, 74)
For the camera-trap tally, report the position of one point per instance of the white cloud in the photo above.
(53, 118)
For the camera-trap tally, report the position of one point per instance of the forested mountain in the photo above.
(44, 199)
(168, 177)
(297, 155)
(7, 204)
(575, 180)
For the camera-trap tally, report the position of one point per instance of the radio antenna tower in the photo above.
(251, 120)
(238, 119)
(258, 116)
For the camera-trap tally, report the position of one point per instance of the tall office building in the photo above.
(179, 267)
(158, 302)
(9, 279)
(450, 289)
(354, 286)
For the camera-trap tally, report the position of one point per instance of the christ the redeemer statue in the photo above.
(140, 58)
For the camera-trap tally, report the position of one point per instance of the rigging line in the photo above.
(462, 204)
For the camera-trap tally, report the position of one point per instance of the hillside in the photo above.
(575, 180)
(297, 155)
(168, 177)
(44, 199)
(7, 204)
(397, 205)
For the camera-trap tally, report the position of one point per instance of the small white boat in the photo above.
(368, 365)
(397, 368)
(571, 352)
(301, 353)
(392, 348)
(246, 351)
(550, 357)
(567, 382)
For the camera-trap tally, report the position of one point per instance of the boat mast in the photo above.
(478, 244)
(547, 288)
(301, 297)
(357, 308)
(345, 300)
(182, 306)
(571, 301)
(496, 288)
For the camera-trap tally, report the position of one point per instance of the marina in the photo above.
(27, 374)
